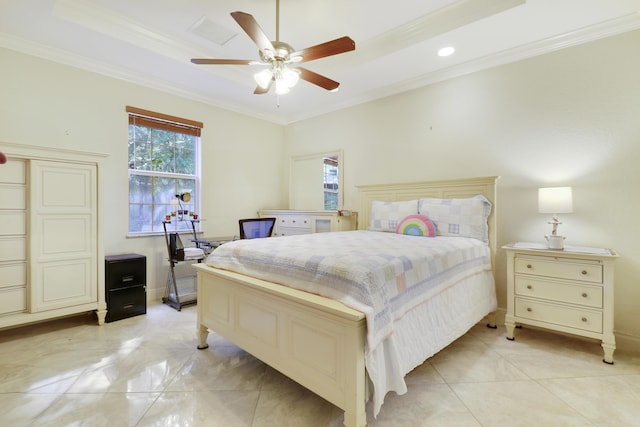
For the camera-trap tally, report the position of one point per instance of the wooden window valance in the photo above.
(151, 119)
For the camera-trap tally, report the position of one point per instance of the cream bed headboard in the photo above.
(455, 188)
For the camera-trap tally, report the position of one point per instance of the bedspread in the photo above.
(383, 275)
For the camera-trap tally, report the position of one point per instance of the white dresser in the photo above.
(291, 222)
(567, 290)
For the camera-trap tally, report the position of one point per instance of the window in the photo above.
(331, 183)
(164, 161)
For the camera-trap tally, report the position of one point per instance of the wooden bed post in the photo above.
(355, 412)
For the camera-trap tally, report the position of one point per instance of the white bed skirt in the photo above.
(442, 319)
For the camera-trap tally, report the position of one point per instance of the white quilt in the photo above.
(383, 275)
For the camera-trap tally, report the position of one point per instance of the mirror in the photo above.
(315, 181)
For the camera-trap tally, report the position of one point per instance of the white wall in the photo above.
(47, 104)
(567, 118)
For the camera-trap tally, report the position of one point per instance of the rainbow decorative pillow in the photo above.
(416, 225)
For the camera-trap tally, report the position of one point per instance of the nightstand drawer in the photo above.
(573, 293)
(560, 268)
(587, 320)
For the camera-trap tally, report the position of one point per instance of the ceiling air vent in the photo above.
(212, 31)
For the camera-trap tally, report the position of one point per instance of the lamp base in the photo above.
(555, 242)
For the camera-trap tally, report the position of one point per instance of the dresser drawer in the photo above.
(13, 248)
(561, 268)
(13, 300)
(292, 231)
(587, 320)
(573, 293)
(13, 197)
(295, 221)
(14, 172)
(13, 223)
(13, 274)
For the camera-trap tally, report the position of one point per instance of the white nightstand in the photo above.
(568, 290)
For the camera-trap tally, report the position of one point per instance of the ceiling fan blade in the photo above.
(333, 47)
(318, 79)
(261, 91)
(253, 30)
(223, 61)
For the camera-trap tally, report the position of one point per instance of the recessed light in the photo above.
(446, 51)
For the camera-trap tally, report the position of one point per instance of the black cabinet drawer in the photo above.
(126, 302)
(123, 271)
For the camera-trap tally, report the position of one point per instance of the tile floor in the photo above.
(146, 371)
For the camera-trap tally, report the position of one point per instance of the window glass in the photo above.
(331, 183)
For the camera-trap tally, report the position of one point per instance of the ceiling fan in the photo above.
(282, 59)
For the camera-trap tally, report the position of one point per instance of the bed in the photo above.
(334, 348)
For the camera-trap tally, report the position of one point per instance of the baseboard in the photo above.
(155, 294)
(627, 342)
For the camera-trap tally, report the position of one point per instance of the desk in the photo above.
(210, 243)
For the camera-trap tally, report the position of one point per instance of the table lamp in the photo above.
(554, 201)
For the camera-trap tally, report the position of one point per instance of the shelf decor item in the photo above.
(554, 201)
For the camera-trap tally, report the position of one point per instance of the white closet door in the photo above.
(62, 235)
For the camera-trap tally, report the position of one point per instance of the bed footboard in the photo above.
(313, 340)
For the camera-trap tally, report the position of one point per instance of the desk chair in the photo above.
(251, 228)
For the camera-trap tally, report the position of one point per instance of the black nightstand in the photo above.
(125, 286)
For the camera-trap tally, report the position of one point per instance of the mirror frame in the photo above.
(304, 157)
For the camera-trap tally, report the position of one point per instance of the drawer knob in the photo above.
(584, 319)
(529, 309)
(584, 295)
(584, 272)
(294, 221)
(529, 266)
(529, 287)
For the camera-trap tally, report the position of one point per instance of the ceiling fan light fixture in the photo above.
(290, 76)
(263, 78)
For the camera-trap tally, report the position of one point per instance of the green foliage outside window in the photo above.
(162, 164)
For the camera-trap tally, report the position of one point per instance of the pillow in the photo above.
(385, 216)
(458, 217)
(416, 225)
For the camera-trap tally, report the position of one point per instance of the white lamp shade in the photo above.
(290, 77)
(555, 200)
